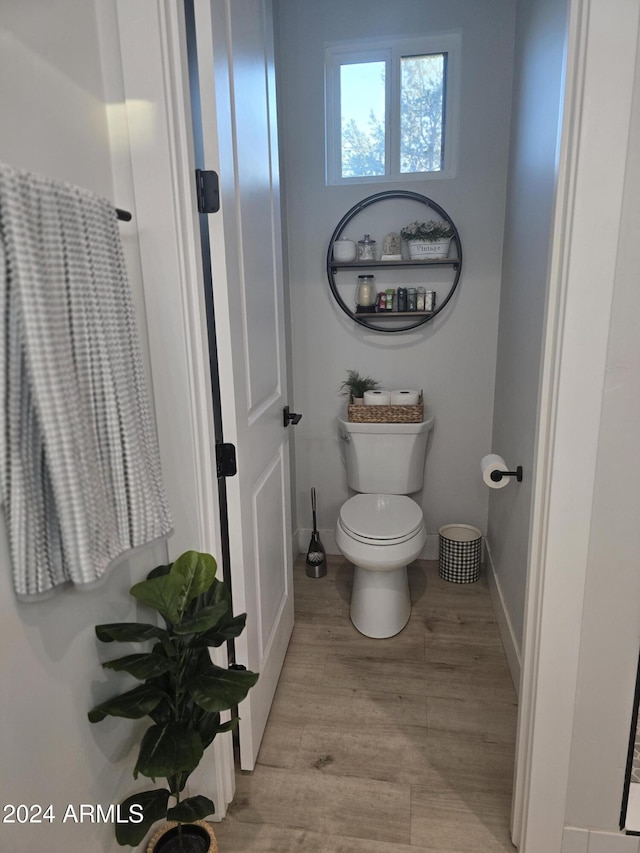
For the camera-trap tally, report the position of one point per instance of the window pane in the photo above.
(422, 112)
(362, 100)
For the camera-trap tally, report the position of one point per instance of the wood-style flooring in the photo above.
(403, 745)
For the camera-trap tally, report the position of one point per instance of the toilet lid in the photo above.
(381, 517)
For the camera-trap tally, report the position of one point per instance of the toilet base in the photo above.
(380, 602)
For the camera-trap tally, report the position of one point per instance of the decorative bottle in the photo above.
(366, 249)
(365, 295)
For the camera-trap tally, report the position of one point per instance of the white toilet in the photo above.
(381, 530)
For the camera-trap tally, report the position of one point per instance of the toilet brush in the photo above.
(316, 565)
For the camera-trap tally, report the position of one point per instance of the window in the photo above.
(392, 109)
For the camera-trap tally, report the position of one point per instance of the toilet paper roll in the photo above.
(404, 398)
(376, 398)
(490, 463)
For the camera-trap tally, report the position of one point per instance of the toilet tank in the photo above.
(384, 459)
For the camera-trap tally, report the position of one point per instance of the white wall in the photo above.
(538, 77)
(54, 121)
(452, 359)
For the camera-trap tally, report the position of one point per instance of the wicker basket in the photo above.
(387, 414)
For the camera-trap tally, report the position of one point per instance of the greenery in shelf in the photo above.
(434, 229)
(355, 385)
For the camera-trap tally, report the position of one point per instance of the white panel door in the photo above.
(237, 95)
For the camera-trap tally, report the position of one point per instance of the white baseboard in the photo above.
(509, 640)
(432, 549)
(578, 840)
(632, 817)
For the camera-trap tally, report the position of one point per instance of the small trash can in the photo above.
(460, 551)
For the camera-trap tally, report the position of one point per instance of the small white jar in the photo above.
(344, 251)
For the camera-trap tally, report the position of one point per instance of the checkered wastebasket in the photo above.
(460, 551)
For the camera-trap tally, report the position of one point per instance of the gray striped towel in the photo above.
(80, 475)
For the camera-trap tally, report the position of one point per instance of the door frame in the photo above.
(157, 114)
(573, 361)
(596, 118)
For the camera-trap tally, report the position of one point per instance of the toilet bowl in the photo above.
(380, 534)
(381, 529)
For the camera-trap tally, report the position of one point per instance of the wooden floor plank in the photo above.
(403, 745)
(346, 708)
(470, 823)
(237, 837)
(312, 800)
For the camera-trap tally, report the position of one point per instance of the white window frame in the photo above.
(391, 51)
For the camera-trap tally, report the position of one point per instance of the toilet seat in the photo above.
(376, 519)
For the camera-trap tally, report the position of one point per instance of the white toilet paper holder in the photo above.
(496, 476)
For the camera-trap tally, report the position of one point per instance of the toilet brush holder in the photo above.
(316, 559)
(316, 570)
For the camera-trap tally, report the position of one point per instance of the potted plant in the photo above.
(355, 385)
(182, 692)
(428, 239)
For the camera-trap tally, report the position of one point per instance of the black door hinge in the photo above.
(208, 190)
(226, 460)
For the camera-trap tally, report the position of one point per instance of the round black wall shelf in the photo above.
(404, 321)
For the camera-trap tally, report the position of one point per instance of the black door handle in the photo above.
(290, 417)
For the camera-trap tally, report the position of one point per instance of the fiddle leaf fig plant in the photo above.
(182, 691)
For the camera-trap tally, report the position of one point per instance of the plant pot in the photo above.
(196, 838)
(420, 250)
(357, 401)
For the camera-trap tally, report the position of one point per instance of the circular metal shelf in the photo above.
(369, 320)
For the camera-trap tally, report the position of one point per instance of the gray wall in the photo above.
(54, 121)
(452, 359)
(539, 54)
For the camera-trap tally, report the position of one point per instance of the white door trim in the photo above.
(156, 84)
(593, 151)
